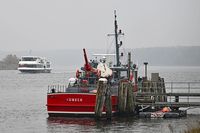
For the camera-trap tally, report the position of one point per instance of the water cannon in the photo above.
(87, 66)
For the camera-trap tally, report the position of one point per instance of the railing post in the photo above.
(188, 92)
(171, 92)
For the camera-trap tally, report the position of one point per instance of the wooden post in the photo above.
(135, 79)
(122, 97)
(156, 86)
(163, 89)
(100, 97)
(156, 91)
(130, 99)
(108, 103)
(125, 89)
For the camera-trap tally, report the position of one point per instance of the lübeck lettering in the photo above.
(74, 99)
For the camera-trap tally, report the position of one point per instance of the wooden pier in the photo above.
(178, 94)
(150, 95)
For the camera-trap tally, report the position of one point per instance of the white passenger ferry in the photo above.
(34, 64)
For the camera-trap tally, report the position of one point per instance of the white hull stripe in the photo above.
(68, 112)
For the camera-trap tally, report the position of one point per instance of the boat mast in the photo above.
(116, 41)
(118, 45)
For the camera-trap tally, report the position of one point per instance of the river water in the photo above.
(23, 106)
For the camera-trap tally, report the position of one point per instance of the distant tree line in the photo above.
(169, 56)
(10, 62)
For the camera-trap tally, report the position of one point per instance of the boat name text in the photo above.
(74, 100)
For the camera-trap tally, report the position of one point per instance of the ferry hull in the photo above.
(74, 104)
(34, 70)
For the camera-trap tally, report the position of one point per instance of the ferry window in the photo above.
(28, 59)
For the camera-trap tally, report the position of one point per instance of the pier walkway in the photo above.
(178, 94)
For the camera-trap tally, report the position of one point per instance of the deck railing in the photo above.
(57, 88)
(70, 89)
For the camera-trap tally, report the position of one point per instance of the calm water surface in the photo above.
(23, 106)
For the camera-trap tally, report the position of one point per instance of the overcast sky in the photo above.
(71, 24)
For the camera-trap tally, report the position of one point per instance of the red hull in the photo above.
(74, 104)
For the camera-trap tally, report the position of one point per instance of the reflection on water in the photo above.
(120, 124)
(73, 121)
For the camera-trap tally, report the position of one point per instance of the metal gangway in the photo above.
(170, 94)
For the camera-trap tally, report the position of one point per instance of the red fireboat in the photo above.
(79, 97)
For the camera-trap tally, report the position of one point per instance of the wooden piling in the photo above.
(130, 99)
(156, 90)
(125, 98)
(135, 80)
(164, 97)
(108, 103)
(122, 95)
(100, 97)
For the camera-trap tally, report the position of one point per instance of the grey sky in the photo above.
(71, 24)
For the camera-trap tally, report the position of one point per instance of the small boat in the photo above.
(79, 96)
(161, 114)
(34, 64)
